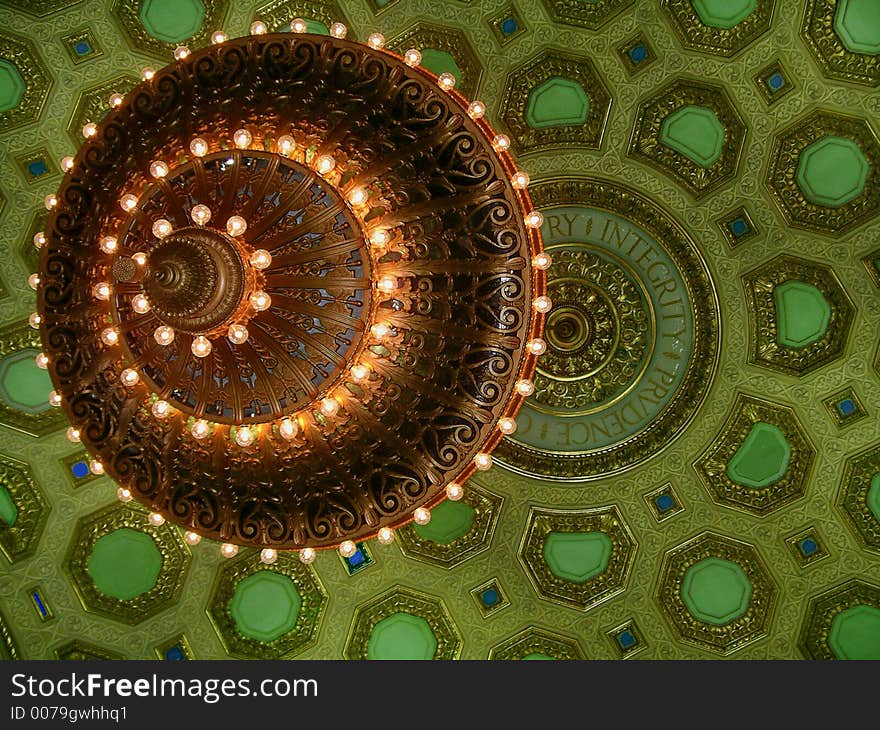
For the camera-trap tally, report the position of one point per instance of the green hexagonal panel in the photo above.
(873, 498)
(832, 171)
(538, 656)
(22, 384)
(857, 24)
(125, 563)
(695, 132)
(172, 20)
(724, 14)
(402, 636)
(855, 633)
(577, 556)
(762, 459)
(449, 521)
(439, 62)
(265, 605)
(802, 314)
(716, 591)
(8, 510)
(557, 102)
(11, 86)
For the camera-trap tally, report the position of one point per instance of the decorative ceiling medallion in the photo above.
(843, 623)
(831, 31)
(592, 15)
(724, 27)
(536, 643)
(305, 311)
(632, 341)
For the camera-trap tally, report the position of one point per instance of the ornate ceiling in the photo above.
(697, 474)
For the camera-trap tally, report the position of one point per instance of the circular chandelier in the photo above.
(291, 291)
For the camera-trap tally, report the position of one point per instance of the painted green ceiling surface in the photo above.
(698, 472)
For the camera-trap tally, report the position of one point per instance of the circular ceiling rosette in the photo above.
(292, 291)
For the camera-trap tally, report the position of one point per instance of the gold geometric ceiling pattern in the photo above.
(698, 472)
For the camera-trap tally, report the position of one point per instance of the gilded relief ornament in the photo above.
(537, 643)
(725, 36)
(826, 29)
(30, 509)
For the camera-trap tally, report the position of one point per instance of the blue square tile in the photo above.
(809, 546)
(489, 597)
(626, 639)
(664, 502)
(175, 654)
(80, 469)
(509, 26)
(82, 48)
(776, 81)
(37, 168)
(638, 53)
(846, 407)
(357, 558)
(739, 227)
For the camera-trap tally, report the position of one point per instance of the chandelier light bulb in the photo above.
(244, 436)
(542, 305)
(140, 303)
(288, 429)
(147, 74)
(54, 398)
(228, 550)
(161, 409)
(520, 180)
(380, 330)
(347, 548)
(446, 81)
(158, 169)
(34, 281)
(110, 336)
(73, 434)
(329, 406)
(260, 301)
(163, 334)
(506, 425)
(242, 139)
(537, 346)
(116, 100)
(261, 259)
(307, 555)
(338, 30)
(181, 52)
(542, 261)
(129, 377)
(412, 57)
(109, 244)
(376, 40)
(483, 461)
(198, 147)
(268, 556)
(325, 164)
(237, 334)
(123, 494)
(101, 291)
(156, 520)
(236, 225)
(140, 258)
(89, 129)
(200, 214)
(380, 237)
(534, 219)
(192, 538)
(200, 429)
(501, 143)
(298, 25)
(42, 360)
(34, 320)
(67, 163)
(218, 36)
(525, 387)
(201, 346)
(454, 491)
(50, 201)
(39, 239)
(286, 145)
(421, 516)
(387, 284)
(385, 536)
(358, 196)
(476, 110)
(360, 372)
(258, 27)
(128, 202)
(96, 467)
(162, 228)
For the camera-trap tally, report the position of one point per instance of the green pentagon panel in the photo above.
(857, 23)
(265, 605)
(11, 86)
(695, 132)
(873, 499)
(724, 14)
(402, 636)
(762, 459)
(832, 171)
(316, 26)
(8, 510)
(577, 556)
(22, 384)
(716, 591)
(855, 633)
(439, 62)
(172, 20)
(449, 521)
(802, 314)
(125, 563)
(556, 102)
